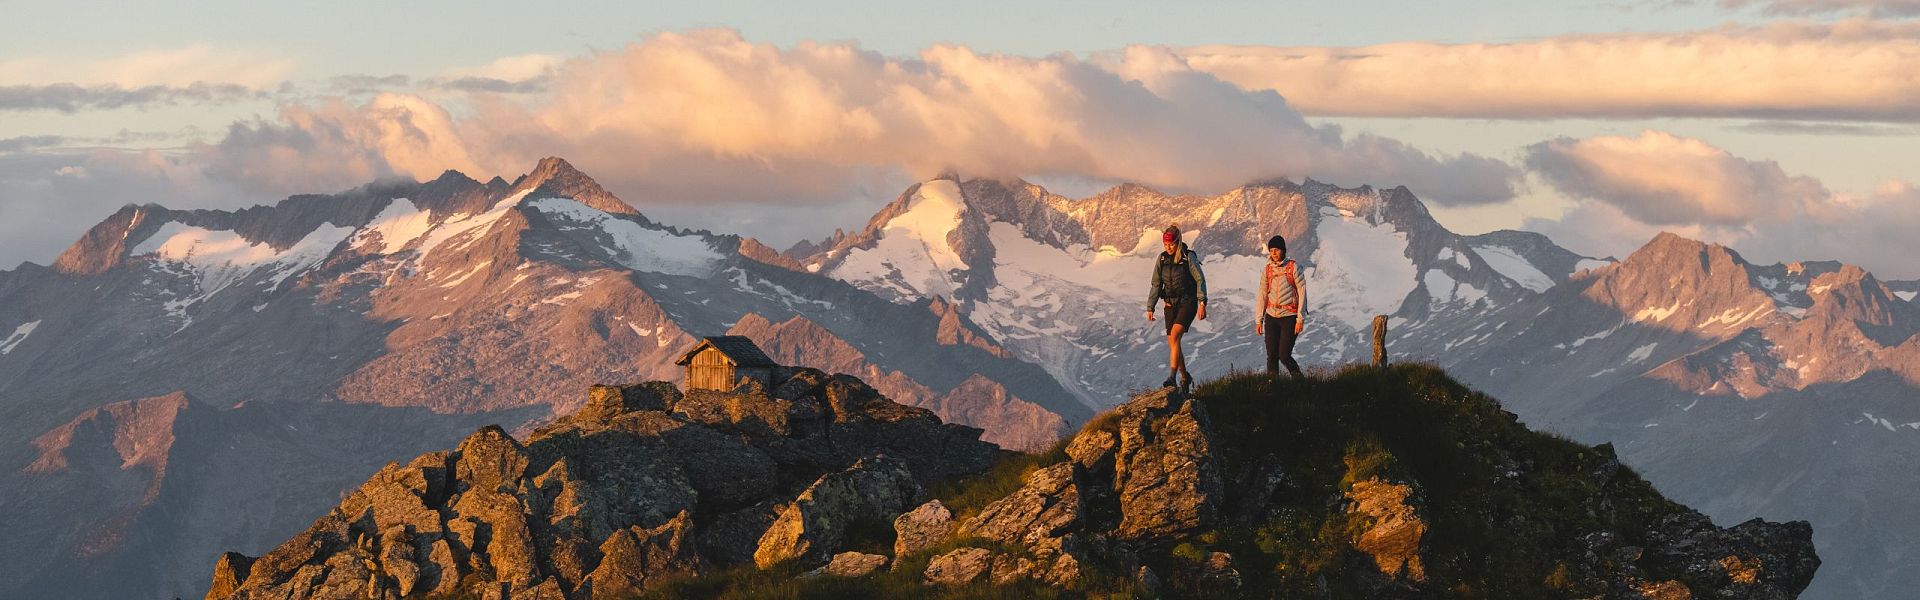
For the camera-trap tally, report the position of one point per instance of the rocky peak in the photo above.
(454, 192)
(104, 244)
(1683, 285)
(555, 177)
(119, 436)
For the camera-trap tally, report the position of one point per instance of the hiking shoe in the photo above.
(1168, 383)
(1186, 383)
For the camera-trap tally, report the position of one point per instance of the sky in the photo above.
(1785, 129)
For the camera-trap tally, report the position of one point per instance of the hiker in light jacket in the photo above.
(1283, 307)
(1178, 281)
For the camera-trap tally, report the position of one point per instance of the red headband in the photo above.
(1169, 237)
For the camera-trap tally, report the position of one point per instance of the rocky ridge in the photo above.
(1375, 483)
(643, 484)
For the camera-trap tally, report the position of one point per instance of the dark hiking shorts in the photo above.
(1180, 312)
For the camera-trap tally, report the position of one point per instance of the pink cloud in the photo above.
(1630, 188)
(707, 115)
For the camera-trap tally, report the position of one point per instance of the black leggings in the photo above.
(1280, 338)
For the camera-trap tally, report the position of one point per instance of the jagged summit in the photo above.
(555, 177)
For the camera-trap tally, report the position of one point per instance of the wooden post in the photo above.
(1380, 341)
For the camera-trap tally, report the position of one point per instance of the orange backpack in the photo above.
(1293, 276)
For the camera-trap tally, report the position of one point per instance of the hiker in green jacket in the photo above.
(1178, 281)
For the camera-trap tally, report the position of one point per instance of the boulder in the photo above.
(605, 402)
(849, 564)
(635, 558)
(229, 573)
(1166, 475)
(1046, 507)
(1393, 534)
(921, 528)
(490, 460)
(961, 566)
(731, 537)
(875, 489)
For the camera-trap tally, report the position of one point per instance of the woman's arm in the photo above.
(1300, 298)
(1260, 313)
(1199, 279)
(1153, 291)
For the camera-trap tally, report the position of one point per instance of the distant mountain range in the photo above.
(173, 364)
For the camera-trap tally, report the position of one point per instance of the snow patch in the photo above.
(1508, 262)
(1733, 316)
(912, 257)
(461, 224)
(1657, 314)
(399, 224)
(1879, 421)
(463, 277)
(1439, 286)
(561, 299)
(1908, 296)
(1642, 353)
(1360, 270)
(639, 248)
(218, 259)
(19, 335)
(1582, 341)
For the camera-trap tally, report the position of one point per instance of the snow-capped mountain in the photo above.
(174, 364)
(1063, 282)
(1750, 390)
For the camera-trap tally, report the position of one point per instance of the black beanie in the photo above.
(1277, 242)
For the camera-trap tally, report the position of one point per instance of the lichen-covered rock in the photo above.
(1394, 532)
(850, 564)
(876, 489)
(1093, 451)
(1755, 559)
(921, 528)
(1166, 475)
(228, 574)
(1046, 507)
(635, 558)
(961, 566)
(605, 402)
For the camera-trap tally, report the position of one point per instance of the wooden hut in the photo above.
(723, 362)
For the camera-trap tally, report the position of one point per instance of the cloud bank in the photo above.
(1857, 69)
(1873, 8)
(709, 116)
(70, 98)
(1634, 187)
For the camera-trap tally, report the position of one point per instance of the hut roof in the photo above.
(740, 348)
